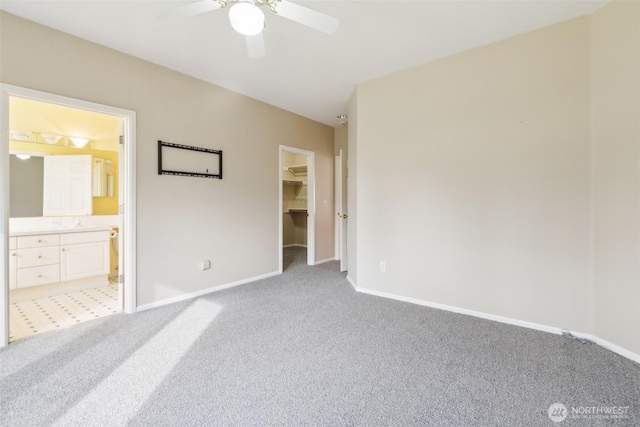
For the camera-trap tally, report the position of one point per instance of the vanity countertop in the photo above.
(77, 229)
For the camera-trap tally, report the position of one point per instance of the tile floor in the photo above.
(31, 317)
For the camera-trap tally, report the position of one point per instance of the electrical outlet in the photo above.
(383, 266)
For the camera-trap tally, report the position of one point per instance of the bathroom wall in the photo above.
(102, 130)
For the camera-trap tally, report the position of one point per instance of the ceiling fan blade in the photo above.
(309, 17)
(255, 46)
(191, 9)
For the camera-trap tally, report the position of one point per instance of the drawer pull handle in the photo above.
(39, 241)
(13, 254)
(62, 249)
(39, 275)
(39, 256)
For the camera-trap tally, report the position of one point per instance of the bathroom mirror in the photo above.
(27, 179)
(26, 186)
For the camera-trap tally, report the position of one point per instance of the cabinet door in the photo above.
(84, 260)
(67, 186)
(13, 268)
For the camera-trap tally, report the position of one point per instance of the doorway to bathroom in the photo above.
(296, 202)
(67, 185)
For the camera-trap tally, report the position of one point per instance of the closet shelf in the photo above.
(298, 211)
(293, 183)
(298, 170)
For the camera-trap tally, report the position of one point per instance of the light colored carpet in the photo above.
(305, 349)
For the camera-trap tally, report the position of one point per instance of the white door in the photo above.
(67, 186)
(341, 214)
(337, 192)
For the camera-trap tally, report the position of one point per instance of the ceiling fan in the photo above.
(247, 18)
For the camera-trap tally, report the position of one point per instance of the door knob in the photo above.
(345, 216)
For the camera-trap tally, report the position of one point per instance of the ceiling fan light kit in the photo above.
(246, 18)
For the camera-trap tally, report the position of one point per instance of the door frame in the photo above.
(128, 216)
(311, 203)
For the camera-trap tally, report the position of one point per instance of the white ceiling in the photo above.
(305, 71)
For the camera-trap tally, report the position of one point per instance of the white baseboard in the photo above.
(611, 346)
(324, 261)
(531, 325)
(204, 292)
(294, 245)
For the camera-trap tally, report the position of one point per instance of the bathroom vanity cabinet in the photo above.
(84, 255)
(13, 262)
(58, 257)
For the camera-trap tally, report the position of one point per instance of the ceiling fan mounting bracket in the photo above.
(271, 4)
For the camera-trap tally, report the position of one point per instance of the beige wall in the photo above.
(182, 220)
(505, 179)
(342, 143)
(473, 179)
(615, 90)
(341, 139)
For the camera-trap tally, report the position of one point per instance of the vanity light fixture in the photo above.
(50, 138)
(246, 18)
(20, 135)
(23, 156)
(79, 142)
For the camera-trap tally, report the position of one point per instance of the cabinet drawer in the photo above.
(35, 257)
(86, 237)
(35, 276)
(13, 243)
(38, 241)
